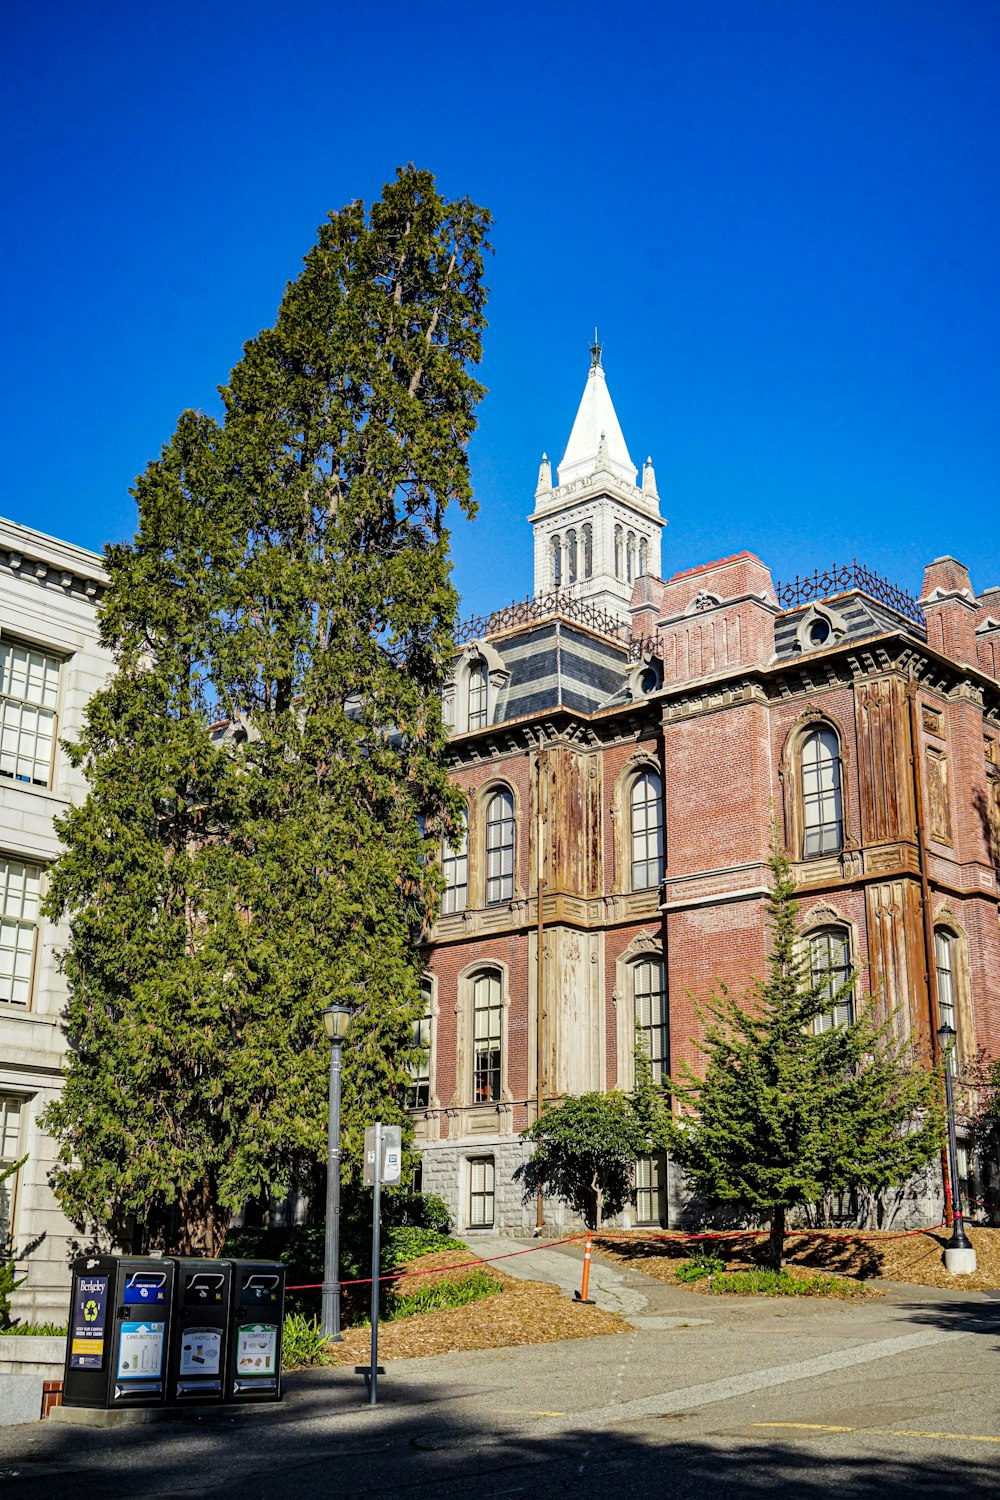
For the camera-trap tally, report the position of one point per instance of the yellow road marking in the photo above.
(958, 1437)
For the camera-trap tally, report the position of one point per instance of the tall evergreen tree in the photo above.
(785, 1114)
(290, 575)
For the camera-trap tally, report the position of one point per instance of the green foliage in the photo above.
(437, 1295)
(9, 1280)
(34, 1330)
(407, 1242)
(585, 1151)
(700, 1266)
(290, 574)
(303, 1343)
(409, 1228)
(782, 1115)
(783, 1284)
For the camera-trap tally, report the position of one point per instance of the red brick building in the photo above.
(624, 743)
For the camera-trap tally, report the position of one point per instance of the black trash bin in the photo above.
(116, 1345)
(258, 1310)
(196, 1368)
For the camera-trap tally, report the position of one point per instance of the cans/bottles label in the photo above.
(140, 1351)
(256, 1349)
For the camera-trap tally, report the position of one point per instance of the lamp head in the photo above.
(946, 1039)
(336, 1020)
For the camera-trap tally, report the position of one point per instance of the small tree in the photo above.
(784, 1115)
(9, 1279)
(585, 1151)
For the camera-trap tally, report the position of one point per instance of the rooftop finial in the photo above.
(595, 353)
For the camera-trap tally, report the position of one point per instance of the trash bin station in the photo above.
(173, 1332)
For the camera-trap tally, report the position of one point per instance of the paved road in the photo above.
(704, 1397)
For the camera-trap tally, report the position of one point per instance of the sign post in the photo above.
(383, 1164)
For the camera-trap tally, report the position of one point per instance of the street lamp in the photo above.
(959, 1255)
(336, 1020)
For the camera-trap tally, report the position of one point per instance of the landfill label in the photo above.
(201, 1351)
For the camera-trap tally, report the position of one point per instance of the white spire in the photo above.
(544, 485)
(596, 439)
(649, 478)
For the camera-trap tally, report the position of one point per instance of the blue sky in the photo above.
(783, 216)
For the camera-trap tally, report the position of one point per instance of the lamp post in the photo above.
(336, 1020)
(959, 1255)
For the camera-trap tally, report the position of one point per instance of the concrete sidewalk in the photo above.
(639, 1299)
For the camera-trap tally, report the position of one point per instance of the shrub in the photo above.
(35, 1330)
(407, 1241)
(700, 1266)
(304, 1343)
(437, 1295)
(783, 1284)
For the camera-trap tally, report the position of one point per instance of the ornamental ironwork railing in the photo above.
(840, 579)
(542, 607)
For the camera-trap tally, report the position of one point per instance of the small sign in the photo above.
(392, 1154)
(90, 1300)
(145, 1287)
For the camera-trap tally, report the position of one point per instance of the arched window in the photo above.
(630, 557)
(649, 991)
(500, 848)
(646, 830)
(455, 870)
(643, 557)
(479, 693)
(822, 806)
(830, 967)
(619, 545)
(487, 1033)
(571, 557)
(418, 1092)
(944, 957)
(556, 562)
(588, 550)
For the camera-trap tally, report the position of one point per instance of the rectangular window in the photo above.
(500, 849)
(830, 967)
(478, 694)
(29, 695)
(482, 1190)
(651, 1190)
(455, 869)
(650, 991)
(10, 1152)
(945, 979)
(487, 1011)
(20, 888)
(418, 1092)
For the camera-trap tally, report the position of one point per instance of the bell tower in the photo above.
(596, 530)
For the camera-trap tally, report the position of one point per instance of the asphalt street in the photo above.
(703, 1396)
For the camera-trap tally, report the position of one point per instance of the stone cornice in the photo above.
(46, 560)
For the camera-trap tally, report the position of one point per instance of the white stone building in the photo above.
(51, 662)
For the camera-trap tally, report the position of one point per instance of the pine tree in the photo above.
(290, 576)
(783, 1114)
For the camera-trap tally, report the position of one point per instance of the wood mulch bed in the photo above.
(857, 1253)
(522, 1312)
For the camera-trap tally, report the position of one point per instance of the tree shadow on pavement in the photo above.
(322, 1441)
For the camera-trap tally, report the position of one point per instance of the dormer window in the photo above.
(479, 682)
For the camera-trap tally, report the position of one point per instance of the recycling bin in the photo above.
(116, 1344)
(196, 1366)
(255, 1328)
